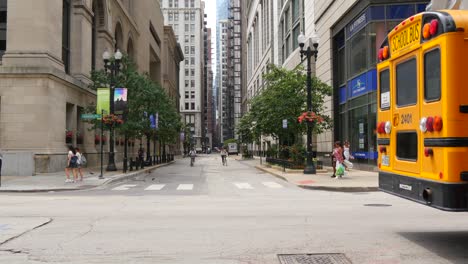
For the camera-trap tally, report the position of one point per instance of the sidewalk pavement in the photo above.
(54, 182)
(352, 181)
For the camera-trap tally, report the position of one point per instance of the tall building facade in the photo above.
(208, 102)
(222, 78)
(47, 51)
(187, 19)
(235, 62)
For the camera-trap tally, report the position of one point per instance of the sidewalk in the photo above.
(54, 182)
(353, 181)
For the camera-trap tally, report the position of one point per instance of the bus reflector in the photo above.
(426, 31)
(430, 124)
(381, 54)
(433, 28)
(422, 125)
(441, 175)
(438, 123)
(428, 152)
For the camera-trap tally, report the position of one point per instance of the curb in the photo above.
(322, 188)
(87, 187)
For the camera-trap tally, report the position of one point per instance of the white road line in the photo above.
(124, 187)
(272, 185)
(243, 185)
(155, 187)
(185, 187)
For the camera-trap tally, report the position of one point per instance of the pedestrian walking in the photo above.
(80, 163)
(71, 164)
(338, 169)
(347, 155)
(224, 156)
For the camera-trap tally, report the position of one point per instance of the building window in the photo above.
(176, 16)
(186, 16)
(295, 10)
(176, 3)
(192, 49)
(192, 16)
(296, 32)
(187, 83)
(192, 72)
(187, 27)
(358, 53)
(186, 3)
(186, 94)
(187, 49)
(186, 106)
(192, 27)
(192, 3)
(66, 35)
(3, 26)
(192, 83)
(192, 94)
(170, 3)
(192, 106)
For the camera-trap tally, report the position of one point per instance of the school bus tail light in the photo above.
(427, 31)
(381, 128)
(430, 124)
(433, 27)
(438, 123)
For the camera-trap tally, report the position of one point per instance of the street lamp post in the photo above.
(112, 67)
(308, 53)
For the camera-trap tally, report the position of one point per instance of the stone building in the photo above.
(45, 64)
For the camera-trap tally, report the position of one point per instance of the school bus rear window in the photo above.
(432, 75)
(384, 89)
(406, 83)
(407, 146)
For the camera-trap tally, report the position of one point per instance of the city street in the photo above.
(218, 214)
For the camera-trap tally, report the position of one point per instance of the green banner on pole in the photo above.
(90, 116)
(103, 97)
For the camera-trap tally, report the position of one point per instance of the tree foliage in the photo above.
(144, 97)
(284, 98)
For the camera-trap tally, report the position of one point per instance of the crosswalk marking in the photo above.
(243, 185)
(185, 187)
(272, 185)
(124, 187)
(155, 187)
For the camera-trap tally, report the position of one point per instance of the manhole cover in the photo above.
(378, 205)
(333, 258)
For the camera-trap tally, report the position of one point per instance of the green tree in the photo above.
(284, 98)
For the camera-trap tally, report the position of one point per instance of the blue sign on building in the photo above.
(363, 84)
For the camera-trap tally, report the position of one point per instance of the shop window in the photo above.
(358, 53)
(432, 75)
(400, 11)
(407, 146)
(406, 82)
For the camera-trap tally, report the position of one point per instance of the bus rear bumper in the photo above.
(441, 195)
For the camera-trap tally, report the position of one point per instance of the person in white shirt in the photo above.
(79, 163)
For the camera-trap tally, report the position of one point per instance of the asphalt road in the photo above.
(214, 214)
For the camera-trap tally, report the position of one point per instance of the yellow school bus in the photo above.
(422, 120)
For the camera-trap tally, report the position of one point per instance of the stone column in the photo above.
(34, 35)
(81, 42)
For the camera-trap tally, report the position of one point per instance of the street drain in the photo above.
(331, 258)
(378, 205)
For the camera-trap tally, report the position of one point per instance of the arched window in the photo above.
(130, 50)
(66, 35)
(118, 37)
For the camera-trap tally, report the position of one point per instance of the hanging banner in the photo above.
(120, 100)
(103, 96)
